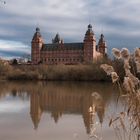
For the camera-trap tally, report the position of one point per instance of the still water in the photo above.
(56, 110)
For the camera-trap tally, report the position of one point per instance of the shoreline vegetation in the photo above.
(90, 72)
(80, 72)
(127, 121)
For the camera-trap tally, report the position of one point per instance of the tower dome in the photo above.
(89, 30)
(37, 29)
(37, 34)
(89, 26)
(102, 36)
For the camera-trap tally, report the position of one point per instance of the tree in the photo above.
(26, 57)
(14, 62)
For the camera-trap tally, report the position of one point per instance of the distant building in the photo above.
(59, 52)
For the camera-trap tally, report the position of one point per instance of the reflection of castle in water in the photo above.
(58, 102)
(60, 98)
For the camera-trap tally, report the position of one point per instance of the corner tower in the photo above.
(102, 47)
(89, 45)
(57, 39)
(36, 46)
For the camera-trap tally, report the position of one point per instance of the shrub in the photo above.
(79, 72)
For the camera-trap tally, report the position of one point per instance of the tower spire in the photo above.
(102, 47)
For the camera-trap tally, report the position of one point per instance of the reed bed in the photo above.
(126, 123)
(61, 72)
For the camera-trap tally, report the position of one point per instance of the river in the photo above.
(57, 110)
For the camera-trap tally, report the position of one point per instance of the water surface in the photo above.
(56, 110)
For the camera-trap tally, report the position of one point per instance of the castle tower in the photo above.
(57, 39)
(89, 45)
(36, 44)
(102, 48)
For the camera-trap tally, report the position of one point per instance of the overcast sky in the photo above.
(118, 20)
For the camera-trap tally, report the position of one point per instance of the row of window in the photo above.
(60, 53)
(60, 59)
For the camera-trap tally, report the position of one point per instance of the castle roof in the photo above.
(102, 41)
(57, 38)
(37, 34)
(66, 46)
(89, 31)
(89, 26)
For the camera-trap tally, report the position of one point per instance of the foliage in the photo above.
(14, 62)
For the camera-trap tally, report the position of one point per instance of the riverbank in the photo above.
(58, 72)
(91, 72)
(80, 72)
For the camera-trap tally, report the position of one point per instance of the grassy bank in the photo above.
(90, 72)
(58, 72)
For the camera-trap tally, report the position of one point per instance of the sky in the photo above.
(118, 20)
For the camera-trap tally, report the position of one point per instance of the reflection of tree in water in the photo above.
(16, 89)
(63, 98)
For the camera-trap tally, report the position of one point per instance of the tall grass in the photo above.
(5, 68)
(127, 123)
(79, 72)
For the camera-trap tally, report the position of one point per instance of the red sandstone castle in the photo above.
(67, 53)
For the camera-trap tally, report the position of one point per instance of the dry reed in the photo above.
(130, 94)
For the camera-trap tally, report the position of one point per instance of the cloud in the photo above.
(13, 49)
(117, 19)
(12, 106)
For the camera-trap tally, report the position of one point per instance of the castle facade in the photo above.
(59, 52)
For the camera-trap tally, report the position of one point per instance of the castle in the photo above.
(59, 52)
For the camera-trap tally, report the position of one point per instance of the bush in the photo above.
(20, 75)
(79, 72)
(5, 68)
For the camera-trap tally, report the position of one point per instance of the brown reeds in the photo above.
(79, 72)
(130, 95)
